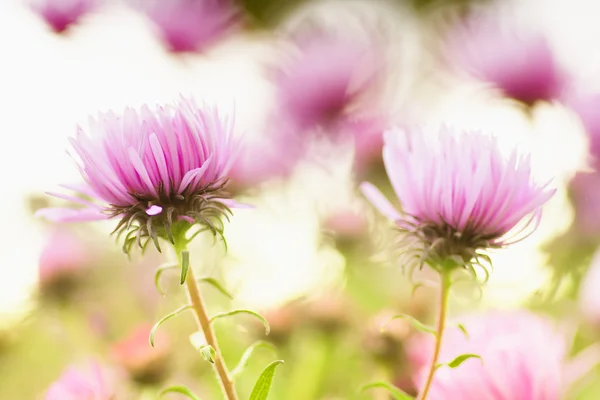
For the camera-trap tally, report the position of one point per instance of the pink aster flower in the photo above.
(59, 14)
(523, 357)
(324, 77)
(160, 171)
(192, 25)
(459, 194)
(90, 382)
(520, 64)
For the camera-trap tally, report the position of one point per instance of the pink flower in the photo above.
(459, 194)
(523, 357)
(584, 191)
(192, 25)
(91, 382)
(145, 363)
(586, 107)
(520, 64)
(59, 14)
(158, 171)
(324, 77)
(589, 300)
(64, 253)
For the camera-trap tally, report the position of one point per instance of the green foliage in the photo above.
(208, 353)
(181, 390)
(185, 265)
(250, 312)
(396, 393)
(216, 284)
(418, 325)
(159, 271)
(458, 360)
(265, 380)
(248, 353)
(163, 319)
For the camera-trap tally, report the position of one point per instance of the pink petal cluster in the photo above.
(326, 74)
(192, 25)
(59, 14)
(523, 357)
(457, 182)
(90, 382)
(149, 158)
(64, 254)
(520, 64)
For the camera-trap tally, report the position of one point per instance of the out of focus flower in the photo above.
(384, 337)
(59, 14)
(159, 172)
(589, 300)
(62, 261)
(523, 357)
(145, 364)
(520, 64)
(283, 320)
(89, 382)
(584, 192)
(586, 107)
(459, 195)
(346, 223)
(192, 25)
(329, 313)
(324, 79)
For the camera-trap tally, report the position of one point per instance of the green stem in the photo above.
(203, 320)
(439, 333)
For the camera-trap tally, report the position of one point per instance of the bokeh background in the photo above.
(312, 256)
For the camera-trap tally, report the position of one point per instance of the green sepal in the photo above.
(163, 319)
(185, 265)
(253, 313)
(395, 392)
(264, 382)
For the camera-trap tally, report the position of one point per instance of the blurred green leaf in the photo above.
(179, 389)
(396, 393)
(185, 265)
(248, 353)
(463, 330)
(418, 325)
(163, 319)
(158, 274)
(216, 284)
(208, 353)
(253, 313)
(263, 384)
(459, 360)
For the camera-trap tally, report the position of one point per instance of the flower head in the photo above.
(192, 25)
(92, 382)
(520, 64)
(523, 357)
(160, 171)
(59, 14)
(459, 194)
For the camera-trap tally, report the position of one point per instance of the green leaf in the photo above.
(163, 319)
(179, 389)
(208, 353)
(248, 353)
(463, 330)
(214, 283)
(459, 360)
(263, 384)
(418, 325)
(396, 393)
(158, 274)
(253, 313)
(185, 265)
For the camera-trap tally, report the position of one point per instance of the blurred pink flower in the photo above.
(59, 14)
(346, 223)
(520, 64)
(589, 298)
(153, 169)
(584, 192)
(145, 363)
(587, 107)
(459, 194)
(91, 382)
(192, 25)
(324, 78)
(523, 357)
(63, 255)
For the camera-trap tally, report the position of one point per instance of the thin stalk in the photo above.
(439, 333)
(203, 320)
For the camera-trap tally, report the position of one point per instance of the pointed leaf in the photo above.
(459, 360)
(418, 325)
(208, 353)
(253, 313)
(463, 330)
(216, 284)
(179, 389)
(158, 274)
(248, 353)
(163, 319)
(263, 384)
(185, 265)
(396, 393)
